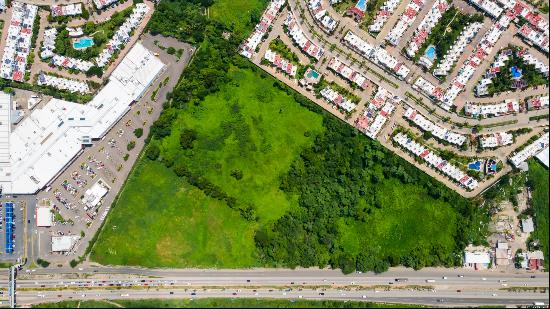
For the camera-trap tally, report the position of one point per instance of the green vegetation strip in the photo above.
(220, 303)
(538, 182)
(539, 117)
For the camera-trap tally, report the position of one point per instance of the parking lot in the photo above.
(108, 160)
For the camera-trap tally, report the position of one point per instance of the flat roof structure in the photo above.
(5, 130)
(477, 257)
(93, 196)
(63, 243)
(51, 137)
(527, 225)
(44, 217)
(543, 156)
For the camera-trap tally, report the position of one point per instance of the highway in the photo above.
(410, 297)
(428, 286)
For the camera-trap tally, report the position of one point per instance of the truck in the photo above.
(401, 279)
(430, 280)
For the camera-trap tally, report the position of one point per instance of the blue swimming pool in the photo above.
(475, 165)
(516, 73)
(313, 74)
(83, 43)
(430, 52)
(361, 5)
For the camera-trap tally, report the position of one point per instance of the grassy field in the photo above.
(237, 13)
(394, 229)
(538, 177)
(218, 303)
(246, 137)
(160, 220)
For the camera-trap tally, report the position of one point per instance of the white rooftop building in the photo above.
(496, 139)
(477, 260)
(51, 137)
(93, 196)
(527, 225)
(531, 150)
(543, 156)
(44, 217)
(63, 243)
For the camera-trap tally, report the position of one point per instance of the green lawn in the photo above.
(538, 178)
(394, 229)
(160, 220)
(219, 303)
(237, 13)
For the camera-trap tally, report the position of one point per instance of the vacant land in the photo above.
(242, 171)
(250, 127)
(240, 15)
(538, 181)
(219, 303)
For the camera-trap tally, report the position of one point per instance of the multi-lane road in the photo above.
(428, 286)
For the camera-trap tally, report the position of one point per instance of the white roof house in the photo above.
(543, 156)
(63, 243)
(532, 149)
(44, 217)
(50, 137)
(527, 225)
(478, 257)
(93, 196)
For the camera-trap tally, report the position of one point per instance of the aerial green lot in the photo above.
(160, 220)
(218, 303)
(237, 13)
(538, 178)
(266, 178)
(394, 229)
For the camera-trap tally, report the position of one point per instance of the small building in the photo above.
(477, 260)
(93, 196)
(543, 156)
(527, 225)
(64, 243)
(503, 254)
(535, 260)
(44, 217)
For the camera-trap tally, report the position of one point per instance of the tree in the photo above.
(152, 152)
(381, 266)
(187, 137)
(130, 145)
(138, 132)
(365, 262)
(85, 13)
(171, 50)
(347, 263)
(237, 174)
(73, 263)
(94, 70)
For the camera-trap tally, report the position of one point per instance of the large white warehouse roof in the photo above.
(50, 138)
